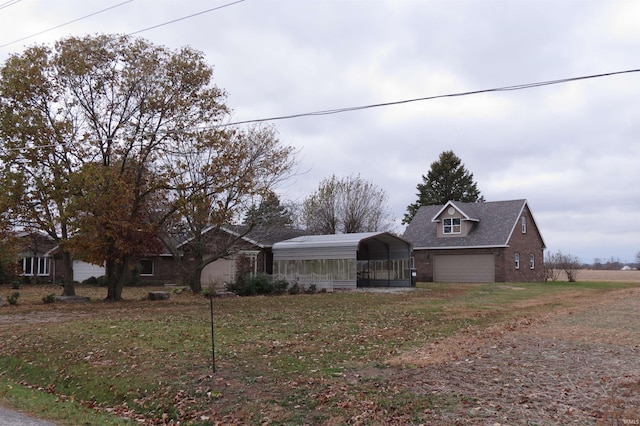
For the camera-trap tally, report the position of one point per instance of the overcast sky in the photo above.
(572, 150)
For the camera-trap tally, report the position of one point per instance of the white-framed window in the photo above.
(32, 266)
(523, 220)
(516, 258)
(451, 226)
(27, 266)
(147, 267)
(532, 261)
(43, 266)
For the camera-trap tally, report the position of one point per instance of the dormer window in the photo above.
(451, 226)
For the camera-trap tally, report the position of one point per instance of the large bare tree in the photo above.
(216, 182)
(346, 205)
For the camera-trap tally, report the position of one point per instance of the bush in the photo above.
(294, 288)
(13, 298)
(259, 284)
(99, 281)
(49, 298)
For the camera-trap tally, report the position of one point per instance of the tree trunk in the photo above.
(196, 273)
(115, 277)
(69, 288)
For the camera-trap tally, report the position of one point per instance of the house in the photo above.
(241, 249)
(41, 263)
(344, 261)
(477, 242)
(252, 253)
(38, 264)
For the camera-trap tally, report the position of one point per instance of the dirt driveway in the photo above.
(578, 366)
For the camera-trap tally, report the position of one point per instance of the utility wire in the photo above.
(428, 98)
(186, 17)
(9, 3)
(405, 101)
(66, 23)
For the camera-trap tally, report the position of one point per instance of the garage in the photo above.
(219, 272)
(464, 268)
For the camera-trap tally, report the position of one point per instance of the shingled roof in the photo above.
(264, 236)
(494, 222)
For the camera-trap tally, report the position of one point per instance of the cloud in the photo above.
(570, 149)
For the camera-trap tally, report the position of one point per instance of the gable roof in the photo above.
(259, 236)
(263, 236)
(496, 221)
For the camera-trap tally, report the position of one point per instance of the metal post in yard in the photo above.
(213, 342)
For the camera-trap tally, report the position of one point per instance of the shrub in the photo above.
(294, 288)
(260, 284)
(13, 298)
(49, 298)
(99, 281)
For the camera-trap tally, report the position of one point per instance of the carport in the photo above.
(344, 261)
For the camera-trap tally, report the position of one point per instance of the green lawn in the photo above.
(319, 358)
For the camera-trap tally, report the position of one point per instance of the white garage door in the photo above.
(83, 270)
(464, 268)
(218, 273)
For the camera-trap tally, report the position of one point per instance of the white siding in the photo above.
(83, 270)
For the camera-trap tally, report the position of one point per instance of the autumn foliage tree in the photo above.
(446, 180)
(97, 132)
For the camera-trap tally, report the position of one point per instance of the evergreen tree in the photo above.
(269, 212)
(447, 180)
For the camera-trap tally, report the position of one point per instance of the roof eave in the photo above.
(462, 247)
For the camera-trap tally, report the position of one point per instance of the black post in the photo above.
(213, 342)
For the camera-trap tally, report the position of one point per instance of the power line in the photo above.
(428, 98)
(9, 3)
(66, 23)
(186, 17)
(405, 101)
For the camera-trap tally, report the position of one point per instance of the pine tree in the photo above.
(447, 180)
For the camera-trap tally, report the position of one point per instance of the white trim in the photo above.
(460, 247)
(452, 225)
(458, 209)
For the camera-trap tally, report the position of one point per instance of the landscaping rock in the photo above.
(73, 299)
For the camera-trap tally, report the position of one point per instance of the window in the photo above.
(532, 261)
(32, 266)
(27, 266)
(451, 226)
(146, 267)
(524, 224)
(517, 260)
(43, 266)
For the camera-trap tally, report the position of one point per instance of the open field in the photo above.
(545, 353)
(611, 276)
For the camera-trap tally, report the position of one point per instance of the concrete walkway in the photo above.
(13, 418)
